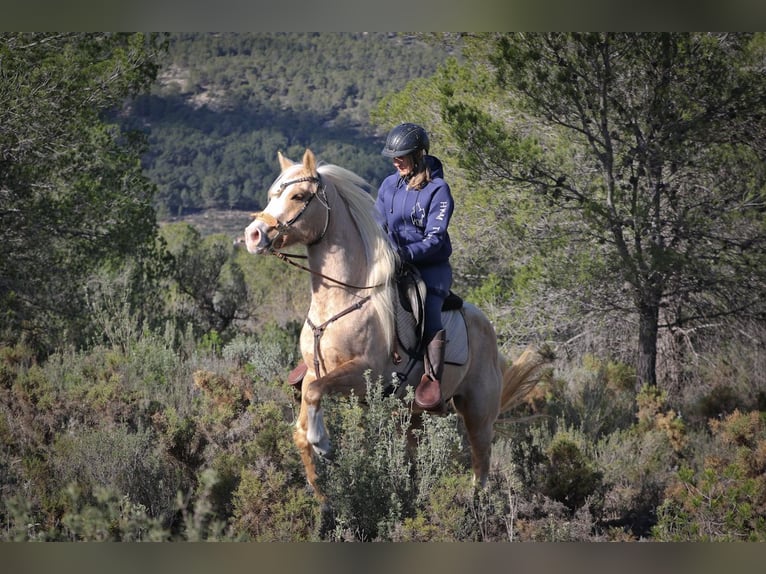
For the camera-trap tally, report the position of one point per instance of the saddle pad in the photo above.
(456, 350)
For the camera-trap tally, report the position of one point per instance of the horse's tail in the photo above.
(521, 376)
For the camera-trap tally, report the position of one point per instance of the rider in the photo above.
(414, 207)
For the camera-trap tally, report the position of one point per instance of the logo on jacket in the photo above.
(418, 215)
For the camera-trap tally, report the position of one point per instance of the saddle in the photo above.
(412, 297)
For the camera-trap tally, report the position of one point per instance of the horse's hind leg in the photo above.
(479, 426)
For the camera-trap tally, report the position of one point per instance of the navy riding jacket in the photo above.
(416, 223)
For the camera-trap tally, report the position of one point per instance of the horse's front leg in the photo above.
(347, 378)
(311, 433)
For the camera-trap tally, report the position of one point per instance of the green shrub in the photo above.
(100, 516)
(725, 500)
(728, 373)
(637, 466)
(368, 482)
(446, 513)
(269, 507)
(108, 517)
(197, 518)
(597, 398)
(182, 437)
(570, 474)
(272, 438)
(265, 360)
(120, 461)
(264, 442)
(20, 521)
(374, 479)
(34, 389)
(438, 447)
(542, 519)
(556, 461)
(129, 444)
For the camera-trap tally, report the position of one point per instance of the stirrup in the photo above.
(295, 378)
(428, 394)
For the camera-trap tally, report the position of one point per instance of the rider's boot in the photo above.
(428, 392)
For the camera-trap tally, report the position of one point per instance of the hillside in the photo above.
(225, 103)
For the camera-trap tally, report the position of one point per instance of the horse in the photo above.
(350, 329)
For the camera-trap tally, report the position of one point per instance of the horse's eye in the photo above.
(300, 196)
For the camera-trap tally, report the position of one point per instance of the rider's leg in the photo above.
(428, 392)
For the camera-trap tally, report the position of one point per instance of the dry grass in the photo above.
(211, 221)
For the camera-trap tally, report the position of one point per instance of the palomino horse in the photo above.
(350, 327)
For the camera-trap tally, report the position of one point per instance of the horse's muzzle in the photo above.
(257, 237)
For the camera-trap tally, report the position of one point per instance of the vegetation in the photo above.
(173, 441)
(667, 180)
(142, 363)
(639, 159)
(73, 195)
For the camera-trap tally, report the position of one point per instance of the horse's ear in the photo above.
(284, 162)
(309, 161)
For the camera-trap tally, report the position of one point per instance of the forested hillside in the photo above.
(225, 103)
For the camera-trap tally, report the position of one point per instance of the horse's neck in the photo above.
(338, 258)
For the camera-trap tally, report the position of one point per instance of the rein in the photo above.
(288, 258)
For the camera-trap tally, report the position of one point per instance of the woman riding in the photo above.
(414, 207)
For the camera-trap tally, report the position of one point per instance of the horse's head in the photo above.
(297, 211)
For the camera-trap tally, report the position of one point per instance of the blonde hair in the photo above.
(421, 175)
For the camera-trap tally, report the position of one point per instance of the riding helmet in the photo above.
(405, 139)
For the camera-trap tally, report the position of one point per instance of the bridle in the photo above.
(283, 228)
(320, 193)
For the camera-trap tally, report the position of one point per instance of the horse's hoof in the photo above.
(323, 451)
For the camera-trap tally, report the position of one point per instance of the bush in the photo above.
(121, 462)
(161, 441)
(725, 500)
(570, 475)
(597, 397)
(270, 507)
(375, 479)
(637, 466)
(102, 516)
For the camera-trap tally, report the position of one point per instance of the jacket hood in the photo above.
(434, 165)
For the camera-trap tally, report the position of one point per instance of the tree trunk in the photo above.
(646, 364)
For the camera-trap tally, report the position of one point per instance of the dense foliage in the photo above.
(625, 174)
(73, 196)
(142, 366)
(175, 440)
(655, 144)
